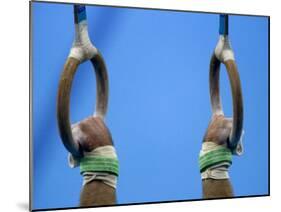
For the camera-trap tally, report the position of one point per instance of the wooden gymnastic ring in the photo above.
(63, 100)
(237, 100)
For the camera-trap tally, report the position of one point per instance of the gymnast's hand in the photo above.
(98, 188)
(218, 130)
(91, 133)
(216, 183)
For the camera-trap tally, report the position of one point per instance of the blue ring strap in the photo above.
(79, 13)
(223, 24)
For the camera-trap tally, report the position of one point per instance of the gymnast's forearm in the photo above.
(217, 188)
(97, 192)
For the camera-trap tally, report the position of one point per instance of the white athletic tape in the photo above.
(82, 48)
(217, 171)
(104, 151)
(223, 50)
(108, 179)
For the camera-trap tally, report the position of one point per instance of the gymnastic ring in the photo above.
(237, 100)
(63, 99)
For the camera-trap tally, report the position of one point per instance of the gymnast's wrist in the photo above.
(101, 164)
(214, 161)
(101, 159)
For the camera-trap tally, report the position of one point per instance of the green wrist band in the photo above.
(214, 157)
(99, 164)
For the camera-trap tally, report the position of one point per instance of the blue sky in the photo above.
(159, 104)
